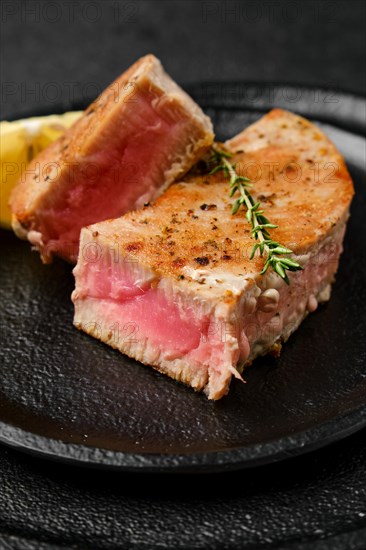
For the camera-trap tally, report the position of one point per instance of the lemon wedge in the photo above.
(20, 141)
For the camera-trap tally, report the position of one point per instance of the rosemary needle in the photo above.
(272, 250)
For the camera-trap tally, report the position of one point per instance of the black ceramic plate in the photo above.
(71, 398)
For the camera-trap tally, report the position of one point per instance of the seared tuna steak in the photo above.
(172, 285)
(140, 135)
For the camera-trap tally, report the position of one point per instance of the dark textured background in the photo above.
(58, 51)
(55, 50)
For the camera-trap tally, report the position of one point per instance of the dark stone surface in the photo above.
(316, 503)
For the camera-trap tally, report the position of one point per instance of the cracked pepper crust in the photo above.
(297, 174)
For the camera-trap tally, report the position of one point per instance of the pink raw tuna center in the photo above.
(174, 329)
(136, 166)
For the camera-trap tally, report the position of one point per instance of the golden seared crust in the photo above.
(298, 175)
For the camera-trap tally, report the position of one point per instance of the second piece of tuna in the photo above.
(141, 134)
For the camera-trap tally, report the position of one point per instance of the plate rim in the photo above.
(238, 458)
(357, 124)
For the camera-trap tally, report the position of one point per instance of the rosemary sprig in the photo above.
(272, 250)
